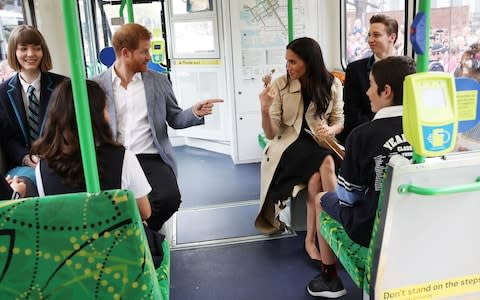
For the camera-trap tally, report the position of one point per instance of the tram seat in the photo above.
(78, 246)
(356, 259)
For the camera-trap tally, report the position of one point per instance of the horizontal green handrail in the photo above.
(428, 191)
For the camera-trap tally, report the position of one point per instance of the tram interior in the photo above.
(215, 250)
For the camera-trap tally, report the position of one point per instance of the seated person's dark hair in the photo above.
(60, 144)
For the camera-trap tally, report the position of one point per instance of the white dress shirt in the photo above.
(133, 129)
(25, 85)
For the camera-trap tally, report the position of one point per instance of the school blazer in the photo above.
(162, 109)
(357, 104)
(16, 141)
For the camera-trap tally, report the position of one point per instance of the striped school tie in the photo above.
(33, 113)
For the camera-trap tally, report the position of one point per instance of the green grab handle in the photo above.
(427, 191)
(129, 10)
(80, 97)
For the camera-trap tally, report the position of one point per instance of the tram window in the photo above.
(357, 15)
(146, 14)
(193, 39)
(194, 28)
(454, 26)
(11, 15)
(191, 6)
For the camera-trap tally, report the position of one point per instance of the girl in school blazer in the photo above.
(28, 54)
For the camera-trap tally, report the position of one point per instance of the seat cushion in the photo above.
(352, 255)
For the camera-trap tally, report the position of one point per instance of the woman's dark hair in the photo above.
(59, 144)
(317, 81)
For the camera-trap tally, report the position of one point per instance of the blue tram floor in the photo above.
(210, 178)
(216, 222)
(263, 270)
(218, 254)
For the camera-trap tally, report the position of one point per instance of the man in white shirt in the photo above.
(140, 104)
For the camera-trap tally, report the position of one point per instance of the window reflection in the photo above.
(194, 37)
(358, 14)
(454, 28)
(191, 6)
(11, 15)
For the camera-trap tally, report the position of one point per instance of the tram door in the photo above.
(198, 67)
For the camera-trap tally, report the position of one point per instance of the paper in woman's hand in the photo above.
(329, 143)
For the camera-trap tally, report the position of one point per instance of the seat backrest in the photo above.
(107, 56)
(75, 246)
(429, 214)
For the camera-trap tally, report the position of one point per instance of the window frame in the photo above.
(205, 15)
(343, 30)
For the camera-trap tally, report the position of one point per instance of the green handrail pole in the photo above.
(122, 6)
(129, 10)
(82, 112)
(444, 190)
(290, 20)
(422, 59)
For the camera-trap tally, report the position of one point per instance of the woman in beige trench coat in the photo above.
(307, 97)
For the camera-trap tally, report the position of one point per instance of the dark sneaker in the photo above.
(319, 287)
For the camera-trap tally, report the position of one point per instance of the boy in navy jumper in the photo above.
(367, 152)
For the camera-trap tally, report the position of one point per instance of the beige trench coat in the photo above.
(287, 113)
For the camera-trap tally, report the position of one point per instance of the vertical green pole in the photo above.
(290, 20)
(129, 10)
(82, 112)
(422, 59)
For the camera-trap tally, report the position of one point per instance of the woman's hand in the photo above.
(30, 160)
(323, 130)
(266, 98)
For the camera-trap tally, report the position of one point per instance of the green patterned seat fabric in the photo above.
(352, 255)
(77, 246)
(163, 272)
(356, 259)
(373, 241)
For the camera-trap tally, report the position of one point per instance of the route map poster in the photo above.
(264, 35)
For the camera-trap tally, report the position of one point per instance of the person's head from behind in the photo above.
(305, 63)
(132, 46)
(386, 81)
(470, 62)
(382, 35)
(60, 143)
(27, 50)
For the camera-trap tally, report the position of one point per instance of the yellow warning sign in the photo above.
(467, 105)
(197, 61)
(435, 289)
